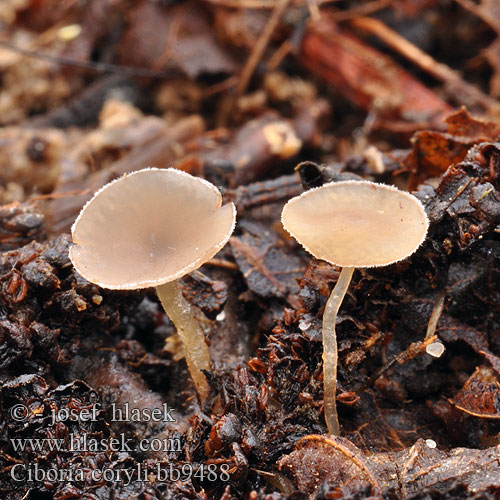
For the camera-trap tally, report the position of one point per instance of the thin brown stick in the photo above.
(264, 4)
(413, 350)
(57, 196)
(224, 264)
(260, 47)
(482, 13)
(281, 52)
(97, 67)
(244, 4)
(362, 10)
(313, 6)
(473, 413)
(436, 314)
(173, 34)
(222, 86)
(255, 56)
(423, 60)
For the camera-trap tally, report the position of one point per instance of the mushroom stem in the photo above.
(330, 354)
(180, 312)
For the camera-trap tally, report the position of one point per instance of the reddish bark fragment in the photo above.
(366, 77)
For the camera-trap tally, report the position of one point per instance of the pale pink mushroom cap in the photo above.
(148, 228)
(356, 223)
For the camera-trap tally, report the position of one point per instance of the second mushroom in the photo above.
(352, 224)
(148, 229)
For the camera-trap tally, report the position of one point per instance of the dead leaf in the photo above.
(178, 37)
(268, 268)
(480, 396)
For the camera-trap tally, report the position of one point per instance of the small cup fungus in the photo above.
(148, 229)
(352, 224)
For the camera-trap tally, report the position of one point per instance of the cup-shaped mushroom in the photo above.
(356, 223)
(352, 224)
(147, 229)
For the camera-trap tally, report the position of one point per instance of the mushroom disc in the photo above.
(148, 228)
(356, 223)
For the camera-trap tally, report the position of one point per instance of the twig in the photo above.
(482, 13)
(173, 33)
(436, 314)
(260, 47)
(460, 190)
(361, 10)
(313, 6)
(281, 52)
(222, 86)
(244, 4)
(265, 4)
(256, 55)
(473, 413)
(56, 196)
(225, 264)
(413, 350)
(89, 65)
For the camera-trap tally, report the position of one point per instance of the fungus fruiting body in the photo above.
(352, 224)
(148, 229)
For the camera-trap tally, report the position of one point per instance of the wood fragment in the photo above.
(366, 77)
(463, 91)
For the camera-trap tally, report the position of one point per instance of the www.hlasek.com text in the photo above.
(84, 443)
